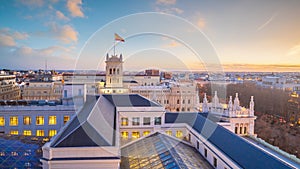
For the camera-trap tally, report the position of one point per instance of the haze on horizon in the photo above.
(247, 35)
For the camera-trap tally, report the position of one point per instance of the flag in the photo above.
(119, 38)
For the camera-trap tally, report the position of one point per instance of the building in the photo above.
(130, 131)
(9, 90)
(34, 118)
(42, 90)
(175, 97)
(232, 116)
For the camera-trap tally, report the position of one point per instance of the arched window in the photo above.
(110, 71)
(118, 71)
(178, 101)
(114, 70)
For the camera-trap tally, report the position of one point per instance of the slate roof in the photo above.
(235, 147)
(96, 121)
(130, 100)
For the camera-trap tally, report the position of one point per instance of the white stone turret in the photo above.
(215, 100)
(251, 106)
(236, 104)
(114, 71)
(205, 104)
(230, 107)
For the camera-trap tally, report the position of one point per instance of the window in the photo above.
(26, 120)
(236, 130)
(241, 130)
(205, 152)
(146, 120)
(39, 120)
(145, 133)
(215, 162)
(135, 121)
(66, 119)
(245, 130)
(13, 121)
(178, 101)
(157, 120)
(179, 134)
(27, 132)
(65, 93)
(169, 132)
(135, 134)
(2, 121)
(14, 132)
(183, 101)
(197, 145)
(79, 92)
(124, 121)
(52, 120)
(52, 133)
(40, 133)
(189, 101)
(124, 134)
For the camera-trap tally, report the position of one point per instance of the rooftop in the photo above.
(227, 142)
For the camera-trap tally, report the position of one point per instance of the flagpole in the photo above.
(115, 47)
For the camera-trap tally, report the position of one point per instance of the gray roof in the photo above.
(235, 147)
(130, 100)
(96, 122)
(93, 125)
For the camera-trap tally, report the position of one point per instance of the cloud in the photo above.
(9, 37)
(74, 6)
(66, 33)
(169, 10)
(6, 40)
(61, 16)
(201, 23)
(294, 50)
(32, 3)
(166, 2)
(172, 44)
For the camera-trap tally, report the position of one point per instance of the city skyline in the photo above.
(247, 36)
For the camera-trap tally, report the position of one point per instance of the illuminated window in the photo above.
(135, 134)
(66, 119)
(146, 120)
(40, 133)
(169, 132)
(145, 133)
(2, 121)
(39, 120)
(52, 120)
(14, 132)
(124, 121)
(52, 133)
(26, 120)
(157, 120)
(27, 132)
(13, 121)
(135, 121)
(179, 134)
(124, 134)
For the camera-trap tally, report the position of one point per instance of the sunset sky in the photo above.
(247, 35)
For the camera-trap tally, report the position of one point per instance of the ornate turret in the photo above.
(205, 104)
(215, 100)
(230, 107)
(114, 71)
(251, 106)
(236, 104)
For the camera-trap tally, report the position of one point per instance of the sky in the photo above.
(234, 35)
